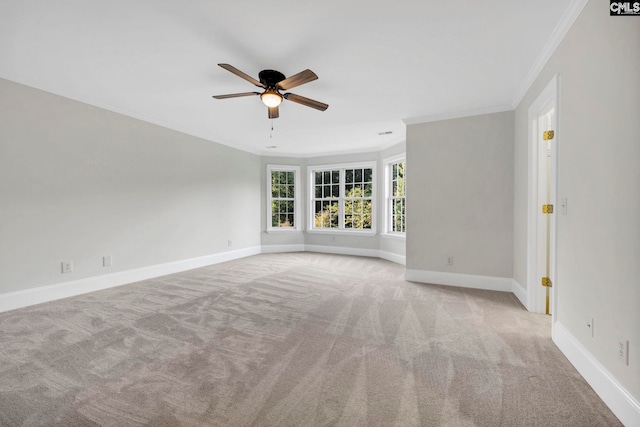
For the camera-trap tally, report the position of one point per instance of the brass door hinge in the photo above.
(548, 135)
(546, 282)
(547, 209)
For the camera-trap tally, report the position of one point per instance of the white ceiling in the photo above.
(378, 62)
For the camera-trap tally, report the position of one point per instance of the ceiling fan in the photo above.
(273, 82)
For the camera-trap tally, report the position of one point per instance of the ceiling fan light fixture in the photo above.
(271, 98)
(273, 82)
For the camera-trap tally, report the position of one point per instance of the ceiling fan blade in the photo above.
(302, 77)
(274, 112)
(306, 101)
(236, 95)
(239, 73)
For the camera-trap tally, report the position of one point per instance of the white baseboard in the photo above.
(520, 293)
(42, 294)
(614, 395)
(19, 299)
(375, 253)
(490, 283)
(275, 249)
(390, 256)
(342, 250)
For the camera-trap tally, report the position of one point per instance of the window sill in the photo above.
(370, 233)
(283, 230)
(393, 236)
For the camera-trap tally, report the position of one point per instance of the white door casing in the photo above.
(543, 115)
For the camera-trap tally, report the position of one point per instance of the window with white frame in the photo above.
(343, 197)
(396, 202)
(283, 201)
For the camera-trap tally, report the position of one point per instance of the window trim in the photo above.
(297, 214)
(311, 199)
(388, 185)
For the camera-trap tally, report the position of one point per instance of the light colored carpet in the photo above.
(288, 340)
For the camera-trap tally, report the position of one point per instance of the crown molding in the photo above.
(399, 140)
(561, 30)
(458, 114)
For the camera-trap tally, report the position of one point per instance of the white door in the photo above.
(547, 207)
(542, 207)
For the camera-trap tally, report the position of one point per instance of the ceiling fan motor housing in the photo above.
(270, 78)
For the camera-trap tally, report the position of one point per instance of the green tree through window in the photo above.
(397, 198)
(283, 198)
(343, 198)
(358, 203)
(326, 200)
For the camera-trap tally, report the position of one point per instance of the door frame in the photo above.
(550, 96)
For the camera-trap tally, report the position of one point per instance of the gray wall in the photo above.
(79, 182)
(598, 241)
(460, 195)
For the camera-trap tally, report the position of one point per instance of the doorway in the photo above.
(542, 207)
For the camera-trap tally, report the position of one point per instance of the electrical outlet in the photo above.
(450, 260)
(67, 266)
(623, 350)
(229, 243)
(107, 261)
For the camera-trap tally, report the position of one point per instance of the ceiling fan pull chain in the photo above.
(271, 133)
